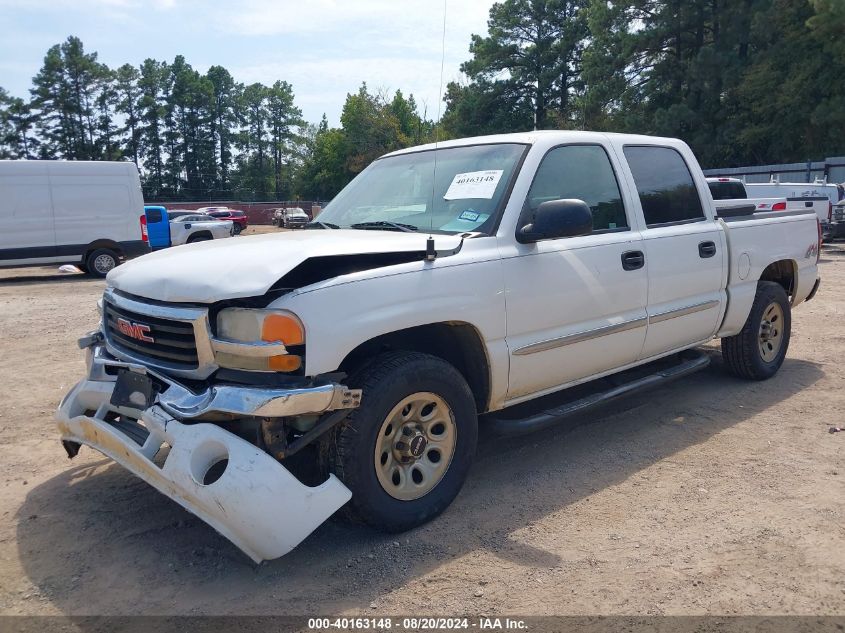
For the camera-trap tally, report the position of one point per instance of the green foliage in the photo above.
(744, 81)
(370, 126)
(529, 63)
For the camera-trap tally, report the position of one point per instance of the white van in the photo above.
(90, 214)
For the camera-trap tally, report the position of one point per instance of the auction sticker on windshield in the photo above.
(474, 184)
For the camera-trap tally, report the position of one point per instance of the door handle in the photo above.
(706, 249)
(632, 260)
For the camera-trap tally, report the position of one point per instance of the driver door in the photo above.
(576, 306)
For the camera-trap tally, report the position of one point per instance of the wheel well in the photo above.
(197, 234)
(457, 343)
(107, 244)
(782, 272)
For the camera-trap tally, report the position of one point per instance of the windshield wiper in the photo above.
(316, 224)
(385, 226)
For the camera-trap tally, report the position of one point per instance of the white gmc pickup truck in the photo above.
(441, 284)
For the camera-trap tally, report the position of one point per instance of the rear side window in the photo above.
(583, 172)
(153, 215)
(665, 185)
(727, 190)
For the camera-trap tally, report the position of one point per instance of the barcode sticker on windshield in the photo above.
(474, 184)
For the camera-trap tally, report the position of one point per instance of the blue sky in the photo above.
(324, 48)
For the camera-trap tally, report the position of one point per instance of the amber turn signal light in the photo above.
(283, 327)
(285, 362)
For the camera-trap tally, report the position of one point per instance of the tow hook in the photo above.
(90, 339)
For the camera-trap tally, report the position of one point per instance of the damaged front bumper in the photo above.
(232, 485)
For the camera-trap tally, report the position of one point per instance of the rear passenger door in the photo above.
(684, 249)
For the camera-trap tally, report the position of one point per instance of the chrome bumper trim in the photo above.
(267, 402)
(250, 350)
(569, 339)
(679, 312)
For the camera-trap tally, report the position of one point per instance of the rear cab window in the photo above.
(727, 190)
(665, 186)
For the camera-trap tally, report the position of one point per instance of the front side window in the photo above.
(665, 185)
(448, 190)
(582, 172)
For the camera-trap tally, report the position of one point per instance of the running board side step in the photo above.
(545, 419)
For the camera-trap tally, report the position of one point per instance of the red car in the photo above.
(224, 213)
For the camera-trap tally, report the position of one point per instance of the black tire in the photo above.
(237, 229)
(349, 450)
(198, 238)
(742, 353)
(100, 261)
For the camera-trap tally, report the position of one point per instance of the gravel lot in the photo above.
(711, 496)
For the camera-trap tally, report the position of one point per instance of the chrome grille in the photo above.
(174, 343)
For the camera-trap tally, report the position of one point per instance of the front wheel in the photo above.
(237, 228)
(758, 351)
(406, 452)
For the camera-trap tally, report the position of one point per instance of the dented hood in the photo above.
(248, 266)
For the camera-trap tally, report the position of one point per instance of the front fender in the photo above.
(341, 316)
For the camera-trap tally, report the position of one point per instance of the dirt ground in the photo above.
(711, 496)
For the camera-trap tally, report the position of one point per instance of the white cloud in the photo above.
(321, 84)
(278, 17)
(388, 44)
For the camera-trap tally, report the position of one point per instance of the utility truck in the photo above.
(443, 286)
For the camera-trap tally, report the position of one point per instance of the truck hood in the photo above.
(206, 272)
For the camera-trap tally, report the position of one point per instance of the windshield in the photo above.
(396, 192)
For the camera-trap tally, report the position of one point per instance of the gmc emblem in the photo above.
(137, 331)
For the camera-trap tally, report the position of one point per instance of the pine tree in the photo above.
(129, 105)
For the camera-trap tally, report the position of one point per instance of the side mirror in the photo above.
(557, 218)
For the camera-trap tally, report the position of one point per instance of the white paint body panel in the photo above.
(193, 273)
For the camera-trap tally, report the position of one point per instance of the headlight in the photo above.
(256, 326)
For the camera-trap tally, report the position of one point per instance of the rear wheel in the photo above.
(100, 262)
(198, 238)
(758, 351)
(406, 452)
